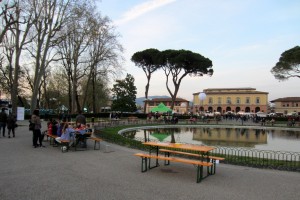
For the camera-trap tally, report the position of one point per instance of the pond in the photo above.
(266, 138)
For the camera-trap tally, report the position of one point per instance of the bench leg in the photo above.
(149, 164)
(213, 167)
(144, 164)
(167, 154)
(95, 145)
(199, 173)
(53, 142)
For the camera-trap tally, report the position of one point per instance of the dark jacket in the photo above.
(3, 116)
(11, 121)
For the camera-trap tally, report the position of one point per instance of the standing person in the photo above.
(11, 124)
(80, 119)
(37, 135)
(3, 121)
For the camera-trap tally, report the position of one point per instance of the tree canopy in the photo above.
(124, 95)
(177, 64)
(39, 38)
(288, 65)
(147, 60)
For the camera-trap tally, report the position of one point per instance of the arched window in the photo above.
(228, 100)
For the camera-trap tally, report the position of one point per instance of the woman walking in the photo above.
(11, 124)
(37, 135)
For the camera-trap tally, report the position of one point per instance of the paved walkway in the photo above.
(27, 173)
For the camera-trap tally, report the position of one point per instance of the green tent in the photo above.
(160, 136)
(161, 108)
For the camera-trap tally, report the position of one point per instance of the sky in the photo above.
(243, 39)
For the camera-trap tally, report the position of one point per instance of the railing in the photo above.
(281, 160)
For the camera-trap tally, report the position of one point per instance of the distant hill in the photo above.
(140, 100)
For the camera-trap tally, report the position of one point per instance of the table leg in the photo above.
(150, 151)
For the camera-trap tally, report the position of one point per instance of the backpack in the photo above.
(31, 126)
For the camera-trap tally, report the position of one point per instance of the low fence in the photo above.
(280, 160)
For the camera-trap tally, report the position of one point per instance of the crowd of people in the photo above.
(60, 128)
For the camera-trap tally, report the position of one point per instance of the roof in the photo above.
(166, 100)
(242, 90)
(287, 99)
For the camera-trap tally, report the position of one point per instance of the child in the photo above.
(66, 134)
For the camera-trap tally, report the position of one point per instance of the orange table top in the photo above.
(181, 146)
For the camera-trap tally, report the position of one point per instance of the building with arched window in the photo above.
(231, 99)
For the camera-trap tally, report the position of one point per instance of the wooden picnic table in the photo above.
(202, 154)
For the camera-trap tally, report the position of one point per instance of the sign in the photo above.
(20, 113)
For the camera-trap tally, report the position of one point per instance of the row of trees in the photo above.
(176, 64)
(57, 50)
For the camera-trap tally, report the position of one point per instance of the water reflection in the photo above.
(230, 137)
(238, 137)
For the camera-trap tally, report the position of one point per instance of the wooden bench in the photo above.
(55, 144)
(198, 163)
(212, 159)
(52, 138)
(97, 142)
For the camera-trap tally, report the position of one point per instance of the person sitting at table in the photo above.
(80, 119)
(80, 134)
(66, 133)
(88, 129)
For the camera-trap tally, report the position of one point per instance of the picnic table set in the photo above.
(74, 137)
(200, 155)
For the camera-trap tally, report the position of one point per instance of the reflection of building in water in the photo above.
(230, 136)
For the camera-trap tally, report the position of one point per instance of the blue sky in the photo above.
(244, 40)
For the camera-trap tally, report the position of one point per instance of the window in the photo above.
(238, 100)
(257, 100)
(287, 105)
(296, 105)
(228, 100)
(219, 100)
(210, 100)
(247, 100)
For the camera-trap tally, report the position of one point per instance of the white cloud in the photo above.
(142, 9)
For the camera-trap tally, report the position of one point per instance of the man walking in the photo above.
(3, 121)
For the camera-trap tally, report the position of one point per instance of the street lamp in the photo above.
(202, 97)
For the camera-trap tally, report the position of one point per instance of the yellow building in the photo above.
(181, 105)
(287, 105)
(230, 99)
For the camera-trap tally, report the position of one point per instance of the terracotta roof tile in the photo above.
(287, 99)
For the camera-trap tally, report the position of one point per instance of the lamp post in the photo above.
(202, 97)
